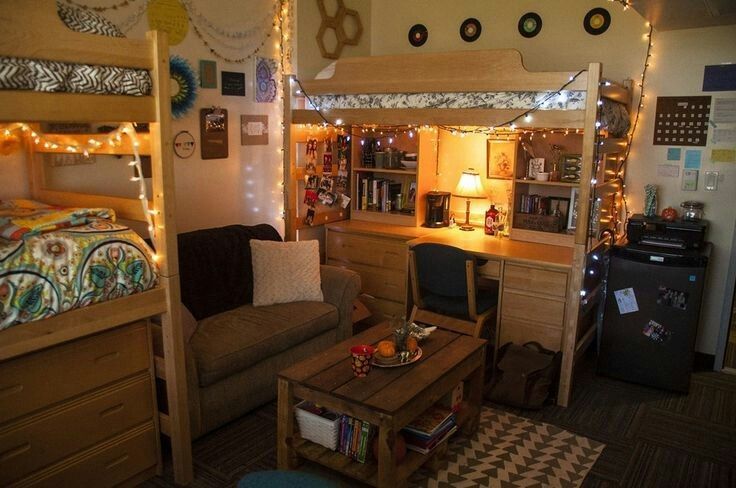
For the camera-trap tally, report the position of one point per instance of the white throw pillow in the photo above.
(285, 272)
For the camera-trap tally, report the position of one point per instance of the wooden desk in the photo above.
(533, 278)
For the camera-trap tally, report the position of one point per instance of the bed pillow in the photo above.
(285, 272)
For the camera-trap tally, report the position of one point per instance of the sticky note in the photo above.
(692, 158)
(674, 153)
(723, 155)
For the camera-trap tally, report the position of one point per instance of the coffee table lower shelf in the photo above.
(368, 472)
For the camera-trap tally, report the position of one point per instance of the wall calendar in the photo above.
(681, 121)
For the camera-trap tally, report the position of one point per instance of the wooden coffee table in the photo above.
(389, 398)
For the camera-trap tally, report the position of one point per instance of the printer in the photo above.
(674, 234)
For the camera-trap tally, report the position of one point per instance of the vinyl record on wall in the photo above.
(418, 35)
(597, 21)
(470, 29)
(530, 24)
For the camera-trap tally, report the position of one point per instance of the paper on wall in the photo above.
(721, 136)
(723, 155)
(724, 110)
(668, 170)
(692, 158)
(626, 301)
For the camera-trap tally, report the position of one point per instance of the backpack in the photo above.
(525, 375)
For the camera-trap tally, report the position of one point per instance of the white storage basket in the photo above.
(317, 429)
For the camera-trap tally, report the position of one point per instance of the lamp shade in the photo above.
(469, 185)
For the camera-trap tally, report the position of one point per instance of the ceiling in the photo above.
(686, 14)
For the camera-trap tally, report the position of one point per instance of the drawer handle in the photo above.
(112, 410)
(11, 390)
(16, 451)
(107, 357)
(117, 461)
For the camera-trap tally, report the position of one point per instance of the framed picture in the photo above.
(572, 217)
(501, 158)
(561, 205)
(536, 166)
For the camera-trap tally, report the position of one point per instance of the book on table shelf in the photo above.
(355, 438)
(377, 194)
(428, 430)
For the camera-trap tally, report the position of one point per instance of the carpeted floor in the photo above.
(653, 438)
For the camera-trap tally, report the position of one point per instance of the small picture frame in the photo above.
(572, 217)
(561, 203)
(536, 166)
(501, 158)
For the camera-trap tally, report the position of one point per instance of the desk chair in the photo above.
(444, 289)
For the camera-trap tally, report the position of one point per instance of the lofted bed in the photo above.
(62, 352)
(482, 91)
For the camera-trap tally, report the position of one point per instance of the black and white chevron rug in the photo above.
(510, 451)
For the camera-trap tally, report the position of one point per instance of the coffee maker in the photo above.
(438, 209)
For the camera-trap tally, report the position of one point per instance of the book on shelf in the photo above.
(355, 438)
(428, 448)
(429, 429)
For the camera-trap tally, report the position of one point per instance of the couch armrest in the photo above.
(340, 287)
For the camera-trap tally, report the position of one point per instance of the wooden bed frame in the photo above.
(476, 71)
(34, 30)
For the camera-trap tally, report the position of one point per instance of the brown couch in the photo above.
(236, 350)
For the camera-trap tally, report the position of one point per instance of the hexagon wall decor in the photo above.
(335, 25)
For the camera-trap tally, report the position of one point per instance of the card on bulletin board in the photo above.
(233, 83)
(213, 133)
(254, 130)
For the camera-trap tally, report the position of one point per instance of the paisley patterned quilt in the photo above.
(44, 274)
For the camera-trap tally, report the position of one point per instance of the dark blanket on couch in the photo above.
(215, 269)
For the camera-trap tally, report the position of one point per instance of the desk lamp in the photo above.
(469, 187)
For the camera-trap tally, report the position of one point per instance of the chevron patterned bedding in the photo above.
(43, 274)
(52, 76)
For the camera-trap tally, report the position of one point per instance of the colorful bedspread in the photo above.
(46, 273)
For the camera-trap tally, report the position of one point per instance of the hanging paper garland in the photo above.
(184, 94)
(470, 30)
(597, 21)
(530, 24)
(418, 35)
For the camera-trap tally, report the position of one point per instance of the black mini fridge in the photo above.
(651, 314)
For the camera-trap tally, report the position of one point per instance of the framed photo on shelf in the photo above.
(501, 158)
(572, 217)
(561, 205)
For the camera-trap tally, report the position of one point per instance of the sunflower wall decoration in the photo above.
(184, 88)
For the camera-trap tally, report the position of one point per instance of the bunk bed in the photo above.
(485, 89)
(47, 362)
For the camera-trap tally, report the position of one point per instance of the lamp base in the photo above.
(467, 227)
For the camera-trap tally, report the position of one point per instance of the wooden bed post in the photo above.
(575, 283)
(162, 165)
(290, 186)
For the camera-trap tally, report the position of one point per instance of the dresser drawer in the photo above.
(371, 251)
(51, 435)
(491, 269)
(379, 282)
(534, 308)
(59, 373)
(382, 309)
(521, 331)
(537, 280)
(108, 464)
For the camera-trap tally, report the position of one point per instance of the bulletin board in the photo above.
(681, 121)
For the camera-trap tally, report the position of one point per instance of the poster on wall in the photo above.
(266, 70)
(207, 73)
(681, 121)
(213, 133)
(254, 130)
(233, 83)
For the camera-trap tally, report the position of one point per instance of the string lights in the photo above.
(92, 145)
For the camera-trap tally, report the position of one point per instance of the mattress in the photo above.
(53, 260)
(53, 76)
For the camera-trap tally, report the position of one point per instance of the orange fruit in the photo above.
(386, 349)
(411, 344)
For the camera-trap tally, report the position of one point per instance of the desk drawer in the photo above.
(371, 251)
(51, 435)
(379, 282)
(537, 280)
(522, 331)
(534, 308)
(491, 269)
(108, 464)
(46, 377)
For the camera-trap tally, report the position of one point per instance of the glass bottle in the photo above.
(491, 217)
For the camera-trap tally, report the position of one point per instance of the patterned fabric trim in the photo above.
(568, 100)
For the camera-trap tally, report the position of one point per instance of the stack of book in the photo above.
(355, 438)
(377, 194)
(430, 429)
(534, 204)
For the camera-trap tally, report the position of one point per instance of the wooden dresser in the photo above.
(378, 253)
(82, 413)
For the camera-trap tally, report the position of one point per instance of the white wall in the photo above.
(13, 176)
